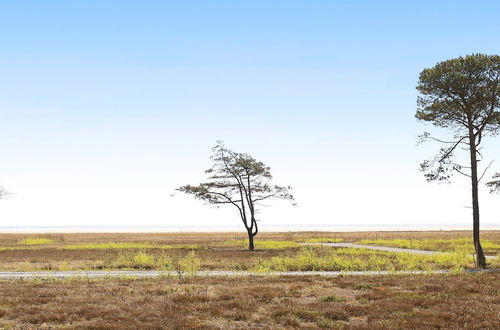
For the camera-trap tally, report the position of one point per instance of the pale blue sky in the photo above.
(107, 106)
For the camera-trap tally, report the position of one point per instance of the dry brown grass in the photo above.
(55, 259)
(213, 237)
(425, 301)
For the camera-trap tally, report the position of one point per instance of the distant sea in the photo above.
(234, 228)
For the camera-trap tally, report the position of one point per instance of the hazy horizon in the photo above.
(237, 227)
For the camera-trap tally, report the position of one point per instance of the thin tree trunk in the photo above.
(480, 259)
(251, 245)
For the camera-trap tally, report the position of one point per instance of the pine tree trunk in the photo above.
(480, 258)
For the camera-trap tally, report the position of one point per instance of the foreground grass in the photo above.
(462, 301)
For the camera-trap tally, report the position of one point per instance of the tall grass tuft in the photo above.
(190, 263)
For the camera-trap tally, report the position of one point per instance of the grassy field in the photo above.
(227, 251)
(454, 300)
(461, 301)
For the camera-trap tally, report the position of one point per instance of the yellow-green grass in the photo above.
(189, 262)
(262, 244)
(345, 259)
(113, 245)
(304, 259)
(436, 244)
(40, 243)
(129, 245)
(278, 253)
(36, 241)
(323, 240)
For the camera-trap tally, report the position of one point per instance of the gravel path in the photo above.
(151, 273)
(383, 248)
(374, 247)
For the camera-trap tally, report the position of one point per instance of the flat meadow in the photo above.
(227, 251)
(451, 300)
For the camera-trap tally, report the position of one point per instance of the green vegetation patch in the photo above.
(36, 241)
(324, 240)
(332, 299)
(128, 245)
(188, 263)
(264, 245)
(363, 286)
(114, 245)
(344, 259)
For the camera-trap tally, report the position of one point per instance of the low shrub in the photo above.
(190, 263)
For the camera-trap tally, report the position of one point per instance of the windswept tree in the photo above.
(239, 180)
(463, 96)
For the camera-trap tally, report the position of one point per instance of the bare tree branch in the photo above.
(484, 172)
